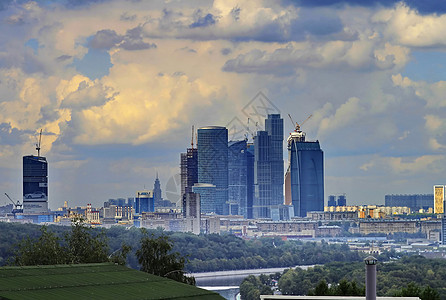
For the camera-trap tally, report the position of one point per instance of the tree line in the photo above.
(413, 276)
(82, 244)
(202, 253)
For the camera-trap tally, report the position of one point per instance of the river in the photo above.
(227, 283)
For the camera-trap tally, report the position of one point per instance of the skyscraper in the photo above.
(144, 202)
(188, 170)
(157, 194)
(238, 180)
(35, 185)
(250, 180)
(274, 127)
(213, 166)
(262, 175)
(305, 174)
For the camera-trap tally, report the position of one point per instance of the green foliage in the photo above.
(84, 245)
(156, 257)
(80, 245)
(46, 250)
(413, 290)
(252, 287)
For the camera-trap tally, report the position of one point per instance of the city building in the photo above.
(439, 198)
(213, 167)
(250, 160)
(331, 200)
(188, 170)
(35, 185)
(262, 176)
(192, 212)
(157, 194)
(414, 201)
(238, 178)
(274, 127)
(342, 200)
(305, 174)
(207, 193)
(144, 202)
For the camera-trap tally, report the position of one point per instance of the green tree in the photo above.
(85, 246)
(429, 293)
(46, 250)
(156, 257)
(321, 289)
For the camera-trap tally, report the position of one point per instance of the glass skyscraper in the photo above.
(305, 174)
(238, 180)
(250, 180)
(274, 127)
(213, 167)
(35, 185)
(262, 175)
(268, 167)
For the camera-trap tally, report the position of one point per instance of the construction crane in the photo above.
(297, 125)
(17, 206)
(38, 143)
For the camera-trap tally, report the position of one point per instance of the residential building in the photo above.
(414, 201)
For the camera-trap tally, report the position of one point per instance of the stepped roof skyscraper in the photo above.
(304, 178)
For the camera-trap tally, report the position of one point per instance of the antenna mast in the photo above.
(38, 143)
(192, 139)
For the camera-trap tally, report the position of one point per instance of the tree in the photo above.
(429, 293)
(46, 250)
(156, 257)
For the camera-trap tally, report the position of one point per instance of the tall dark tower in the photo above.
(35, 185)
(238, 181)
(305, 174)
(262, 176)
(274, 127)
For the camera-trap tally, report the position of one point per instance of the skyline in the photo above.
(116, 87)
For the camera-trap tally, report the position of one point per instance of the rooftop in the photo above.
(92, 281)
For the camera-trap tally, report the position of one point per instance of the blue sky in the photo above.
(117, 85)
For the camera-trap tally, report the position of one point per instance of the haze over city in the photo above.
(117, 85)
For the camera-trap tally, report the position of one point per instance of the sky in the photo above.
(117, 85)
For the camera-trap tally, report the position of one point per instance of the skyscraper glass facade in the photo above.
(213, 166)
(307, 175)
(250, 180)
(238, 180)
(274, 127)
(262, 175)
(35, 185)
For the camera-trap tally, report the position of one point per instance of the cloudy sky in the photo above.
(116, 86)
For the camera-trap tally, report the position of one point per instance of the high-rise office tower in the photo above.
(213, 167)
(144, 202)
(250, 180)
(188, 170)
(35, 185)
(238, 180)
(262, 175)
(305, 174)
(274, 127)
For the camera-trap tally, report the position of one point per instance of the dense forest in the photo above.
(204, 252)
(408, 276)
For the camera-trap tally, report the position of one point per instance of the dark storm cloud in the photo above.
(424, 7)
(105, 39)
(132, 40)
(202, 21)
